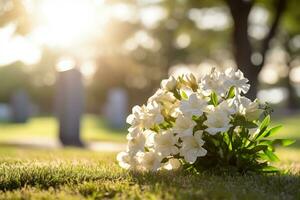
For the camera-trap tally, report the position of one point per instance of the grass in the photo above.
(93, 128)
(96, 129)
(81, 174)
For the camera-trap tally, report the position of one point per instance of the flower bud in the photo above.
(169, 84)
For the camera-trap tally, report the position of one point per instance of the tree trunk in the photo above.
(241, 44)
(242, 48)
(292, 103)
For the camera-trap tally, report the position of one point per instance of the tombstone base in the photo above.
(74, 143)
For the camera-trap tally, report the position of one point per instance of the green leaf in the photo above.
(258, 148)
(214, 98)
(266, 142)
(273, 130)
(231, 93)
(184, 95)
(261, 133)
(263, 127)
(269, 143)
(255, 149)
(263, 156)
(265, 123)
(237, 142)
(241, 121)
(270, 169)
(271, 155)
(249, 125)
(283, 142)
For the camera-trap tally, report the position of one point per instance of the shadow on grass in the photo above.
(220, 185)
(90, 180)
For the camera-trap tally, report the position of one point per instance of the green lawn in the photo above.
(93, 128)
(78, 174)
(27, 173)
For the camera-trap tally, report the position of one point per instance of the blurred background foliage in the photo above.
(133, 44)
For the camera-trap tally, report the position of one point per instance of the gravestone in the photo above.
(116, 107)
(69, 106)
(5, 112)
(20, 106)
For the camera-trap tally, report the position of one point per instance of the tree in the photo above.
(243, 49)
(290, 32)
(243, 45)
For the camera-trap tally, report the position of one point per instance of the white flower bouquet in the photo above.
(198, 125)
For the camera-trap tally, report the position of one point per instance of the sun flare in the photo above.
(65, 22)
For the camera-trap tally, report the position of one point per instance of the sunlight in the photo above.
(17, 48)
(65, 22)
(65, 64)
(295, 74)
(210, 18)
(152, 15)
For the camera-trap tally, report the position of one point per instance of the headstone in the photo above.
(116, 107)
(5, 112)
(20, 106)
(69, 106)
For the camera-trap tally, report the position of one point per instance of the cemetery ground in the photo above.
(70, 173)
(45, 128)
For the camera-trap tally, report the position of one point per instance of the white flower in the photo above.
(135, 119)
(169, 104)
(172, 164)
(163, 129)
(236, 79)
(162, 97)
(169, 84)
(145, 116)
(192, 147)
(248, 108)
(149, 135)
(149, 161)
(228, 106)
(217, 121)
(153, 115)
(214, 82)
(193, 106)
(126, 160)
(136, 144)
(133, 132)
(173, 109)
(184, 126)
(164, 143)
